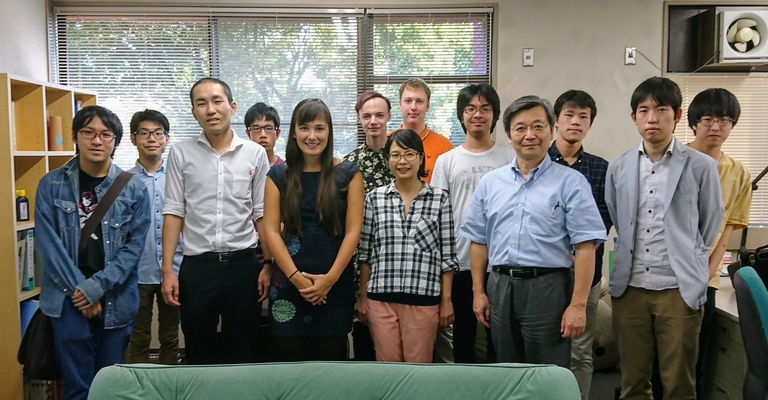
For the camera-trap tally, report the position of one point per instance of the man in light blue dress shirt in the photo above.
(149, 133)
(532, 222)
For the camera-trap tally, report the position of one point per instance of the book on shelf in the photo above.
(21, 263)
(27, 266)
(44, 390)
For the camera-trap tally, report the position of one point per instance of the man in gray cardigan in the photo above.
(665, 201)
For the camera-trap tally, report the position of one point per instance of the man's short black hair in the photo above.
(713, 102)
(152, 116)
(576, 98)
(107, 117)
(208, 79)
(478, 89)
(259, 111)
(663, 91)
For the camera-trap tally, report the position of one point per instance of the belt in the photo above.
(516, 272)
(226, 256)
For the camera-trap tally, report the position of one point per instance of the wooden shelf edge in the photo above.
(70, 153)
(22, 226)
(29, 153)
(26, 295)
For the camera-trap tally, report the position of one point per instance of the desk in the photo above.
(727, 362)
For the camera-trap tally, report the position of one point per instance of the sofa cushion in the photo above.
(335, 380)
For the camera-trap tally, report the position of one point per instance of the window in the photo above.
(748, 142)
(150, 59)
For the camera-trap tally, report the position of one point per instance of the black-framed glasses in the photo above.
(258, 129)
(158, 134)
(106, 136)
(471, 110)
(408, 155)
(536, 128)
(725, 121)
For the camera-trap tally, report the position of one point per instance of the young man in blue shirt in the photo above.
(150, 134)
(90, 295)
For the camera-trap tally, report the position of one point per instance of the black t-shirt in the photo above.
(91, 259)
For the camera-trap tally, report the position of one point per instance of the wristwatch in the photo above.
(269, 261)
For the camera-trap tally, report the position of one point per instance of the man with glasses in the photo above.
(575, 111)
(711, 115)
(262, 124)
(90, 293)
(149, 133)
(214, 190)
(524, 221)
(458, 172)
(666, 204)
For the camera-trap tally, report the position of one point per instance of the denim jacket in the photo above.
(57, 231)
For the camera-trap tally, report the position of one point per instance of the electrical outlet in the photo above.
(528, 57)
(630, 55)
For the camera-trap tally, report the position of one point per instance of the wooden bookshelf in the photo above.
(25, 106)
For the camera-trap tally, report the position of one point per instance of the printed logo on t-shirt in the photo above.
(88, 202)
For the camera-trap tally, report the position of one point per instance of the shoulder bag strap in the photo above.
(95, 219)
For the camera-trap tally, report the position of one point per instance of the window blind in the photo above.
(151, 57)
(447, 48)
(748, 141)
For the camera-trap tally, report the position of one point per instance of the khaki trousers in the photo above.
(641, 317)
(167, 328)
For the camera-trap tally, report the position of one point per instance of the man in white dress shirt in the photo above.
(214, 187)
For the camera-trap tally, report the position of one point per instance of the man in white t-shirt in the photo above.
(457, 172)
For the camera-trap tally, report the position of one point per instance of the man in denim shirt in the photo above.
(91, 295)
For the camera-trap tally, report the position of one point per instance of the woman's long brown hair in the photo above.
(306, 111)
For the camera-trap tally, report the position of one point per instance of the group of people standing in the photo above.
(406, 242)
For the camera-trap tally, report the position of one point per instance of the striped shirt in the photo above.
(408, 254)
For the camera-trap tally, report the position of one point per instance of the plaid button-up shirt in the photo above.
(408, 254)
(594, 168)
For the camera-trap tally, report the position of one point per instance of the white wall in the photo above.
(24, 38)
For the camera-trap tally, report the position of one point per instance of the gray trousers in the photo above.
(526, 315)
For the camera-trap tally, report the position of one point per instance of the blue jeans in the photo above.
(83, 347)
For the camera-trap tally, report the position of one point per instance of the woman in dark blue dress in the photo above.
(319, 201)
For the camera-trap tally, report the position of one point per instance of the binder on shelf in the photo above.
(27, 310)
(28, 276)
(21, 251)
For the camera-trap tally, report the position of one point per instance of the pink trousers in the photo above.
(401, 332)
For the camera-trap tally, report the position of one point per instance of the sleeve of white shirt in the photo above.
(174, 184)
(259, 180)
(440, 175)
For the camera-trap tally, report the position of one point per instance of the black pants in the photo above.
(209, 290)
(362, 343)
(306, 348)
(465, 322)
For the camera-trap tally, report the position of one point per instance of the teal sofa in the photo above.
(335, 380)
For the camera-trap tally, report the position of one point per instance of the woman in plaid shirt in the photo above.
(407, 257)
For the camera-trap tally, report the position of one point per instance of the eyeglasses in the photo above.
(536, 128)
(106, 136)
(257, 129)
(471, 110)
(725, 121)
(158, 134)
(409, 156)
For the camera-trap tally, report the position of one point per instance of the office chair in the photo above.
(752, 302)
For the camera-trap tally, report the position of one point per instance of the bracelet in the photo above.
(294, 273)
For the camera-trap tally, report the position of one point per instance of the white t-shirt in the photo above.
(458, 171)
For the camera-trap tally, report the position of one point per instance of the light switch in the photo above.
(528, 57)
